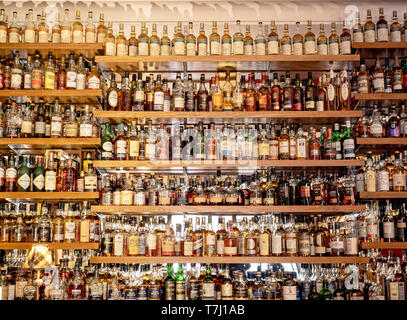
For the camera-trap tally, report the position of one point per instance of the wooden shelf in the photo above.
(44, 143)
(260, 116)
(213, 63)
(381, 141)
(379, 45)
(384, 245)
(50, 195)
(227, 209)
(89, 50)
(381, 96)
(239, 260)
(384, 195)
(232, 164)
(68, 95)
(50, 245)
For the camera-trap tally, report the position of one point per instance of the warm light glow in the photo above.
(39, 257)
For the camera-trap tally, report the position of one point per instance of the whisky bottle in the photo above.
(50, 175)
(77, 29)
(165, 42)
(345, 41)
(56, 30)
(13, 30)
(154, 42)
(143, 40)
(226, 42)
(309, 40)
(66, 34)
(322, 41)
(214, 40)
(124, 95)
(43, 31)
(227, 91)
(298, 41)
(190, 41)
(202, 96)
(90, 30)
(112, 94)
(382, 27)
(39, 176)
(121, 42)
(273, 43)
(3, 26)
(101, 30)
(109, 41)
(23, 176)
(16, 73)
(260, 41)
(333, 40)
(286, 42)
(133, 42)
(248, 43)
(238, 40)
(264, 94)
(71, 73)
(179, 41)
(217, 96)
(357, 30)
(49, 74)
(369, 28)
(29, 28)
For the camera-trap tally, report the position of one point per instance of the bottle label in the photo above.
(118, 241)
(180, 290)
(399, 180)
(70, 230)
(289, 292)
(351, 246)
(297, 48)
(238, 45)
(50, 181)
(39, 182)
(358, 35)
(85, 130)
(286, 47)
(71, 79)
(77, 36)
(91, 182)
(191, 48)
(260, 47)
(276, 244)
(26, 126)
(133, 50)
(24, 181)
(80, 81)
(121, 49)
(230, 251)
(226, 47)
(345, 45)
(309, 45)
(397, 291)
(179, 46)
(208, 290)
(110, 49)
(90, 36)
(188, 248)
(382, 32)
(272, 45)
(84, 231)
(165, 48)
(333, 47)
(388, 229)
(112, 98)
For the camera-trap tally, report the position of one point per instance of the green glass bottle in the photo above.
(39, 176)
(208, 285)
(180, 284)
(23, 176)
(325, 293)
(314, 295)
(169, 283)
(107, 145)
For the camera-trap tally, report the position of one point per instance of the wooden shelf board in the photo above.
(291, 116)
(379, 45)
(384, 195)
(381, 141)
(384, 245)
(227, 209)
(89, 50)
(225, 164)
(50, 195)
(68, 95)
(381, 96)
(43, 143)
(213, 63)
(50, 245)
(225, 259)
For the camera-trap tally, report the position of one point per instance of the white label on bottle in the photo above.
(77, 36)
(345, 46)
(94, 82)
(112, 98)
(56, 127)
(11, 173)
(121, 147)
(388, 229)
(3, 36)
(334, 48)
(20, 288)
(154, 49)
(238, 46)
(42, 37)
(383, 181)
(320, 105)
(215, 46)
(179, 47)
(370, 35)
(260, 48)
(159, 98)
(276, 247)
(272, 47)
(396, 36)
(26, 126)
(126, 197)
(24, 181)
(134, 147)
(291, 245)
(90, 37)
(39, 182)
(351, 246)
(16, 80)
(65, 36)
(121, 49)
(297, 48)
(71, 79)
(309, 47)
(220, 247)
(322, 49)
(70, 230)
(289, 292)
(286, 49)
(81, 81)
(110, 49)
(208, 290)
(11, 292)
(226, 290)
(133, 50)
(85, 130)
(226, 49)
(39, 127)
(118, 245)
(29, 36)
(150, 150)
(376, 128)
(56, 37)
(231, 251)
(399, 180)
(284, 147)
(13, 37)
(91, 182)
(151, 241)
(382, 34)
(358, 36)
(50, 181)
